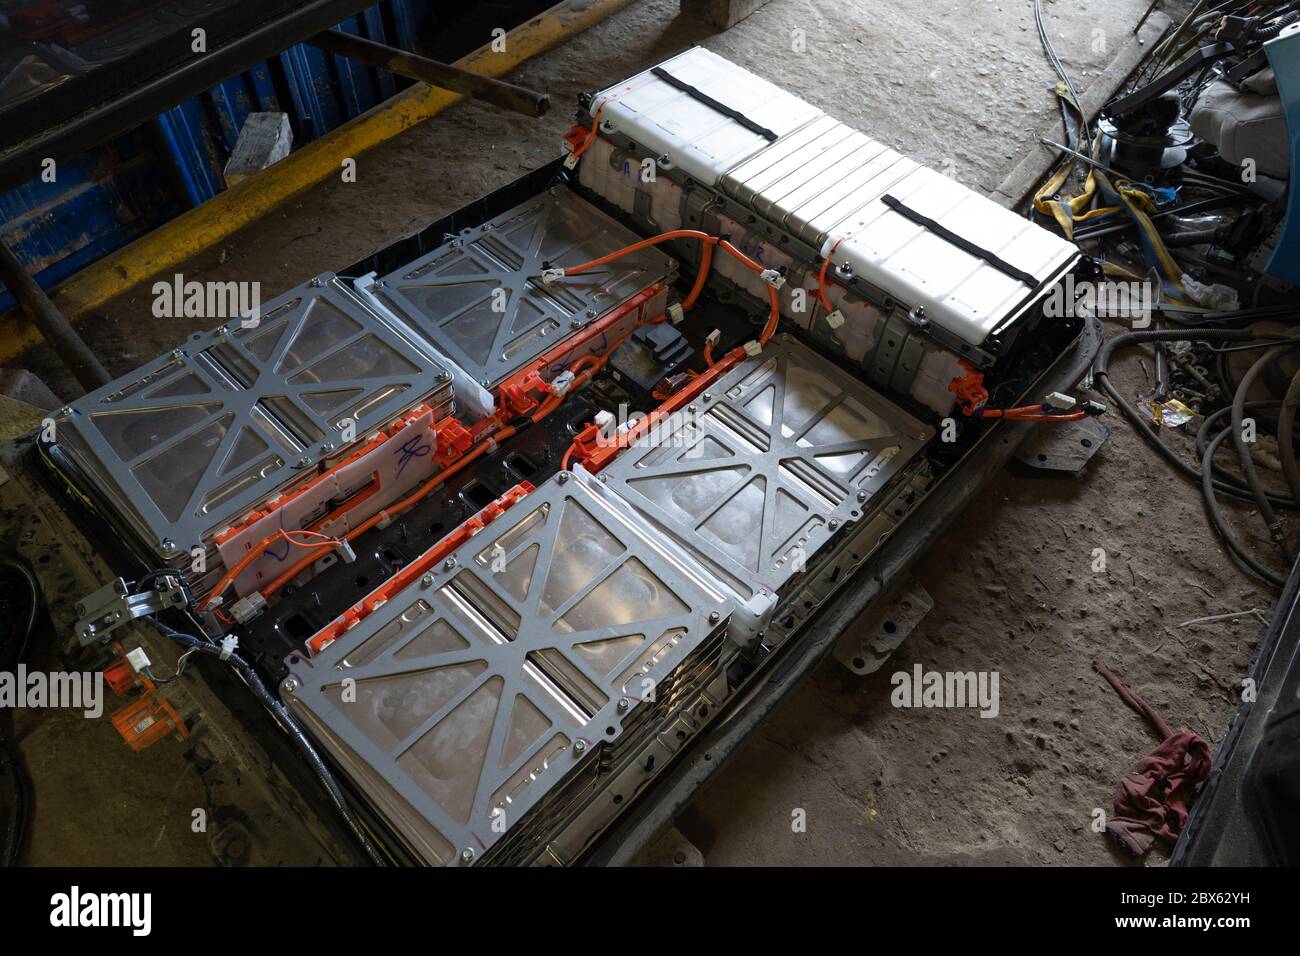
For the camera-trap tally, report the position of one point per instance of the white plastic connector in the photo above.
(345, 551)
(628, 425)
(772, 278)
(713, 337)
(229, 644)
(676, 314)
(835, 319)
(561, 384)
(604, 420)
(552, 275)
(1060, 400)
(247, 608)
(571, 160)
(752, 348)
(137, 658)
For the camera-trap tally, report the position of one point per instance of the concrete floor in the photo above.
(967, 88)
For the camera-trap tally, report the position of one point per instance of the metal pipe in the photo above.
(508, 96)
(54, 326)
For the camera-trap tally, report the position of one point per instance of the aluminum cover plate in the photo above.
(785, 449)
(480, 297)
(194, 439)
(459, 704)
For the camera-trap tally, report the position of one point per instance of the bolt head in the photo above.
(714, 617)
(327, 447)
(833, 524)
(289, 685)
(449, 564)
(579, 746)
(862, 496)
(168, 545)
(562, 477)
(467, 855)
(304, 461)
(707, 396)
(623, 705)
(426, 581)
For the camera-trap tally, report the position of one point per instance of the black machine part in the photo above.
(1248, 811)
(653, 353)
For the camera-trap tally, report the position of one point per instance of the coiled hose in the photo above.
(1211, 486)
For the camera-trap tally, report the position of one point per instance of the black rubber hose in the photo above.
(292, 728)
(1285, 433)
(1208, 427)
(1248, 468)
(1220, 523)
(1102, 378)
(11, 761)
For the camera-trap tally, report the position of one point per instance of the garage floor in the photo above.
(1012, 582)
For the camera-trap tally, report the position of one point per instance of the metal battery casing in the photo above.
(766, 465)
(193, 440)
(461, 703)
(480, 298)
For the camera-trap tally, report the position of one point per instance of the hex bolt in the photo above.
(315, 283)
(449, 564)
(562, 477)
(691, 408)
(426, 581)
(327, 447)
(575, 323)
(707, 396)
(168, 545)
(833, 524)
(289, 685)
(579, 746)
(862, 496)
(304, 461)
(623, 705)
(714, 617)
(467, 855)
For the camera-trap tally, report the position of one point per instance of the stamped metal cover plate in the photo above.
(197, 437)
(480, 297)
(460, 703)
(766, 465)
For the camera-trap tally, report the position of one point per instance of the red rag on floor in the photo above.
(1152, 800)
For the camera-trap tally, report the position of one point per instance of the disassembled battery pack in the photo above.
(514, 516)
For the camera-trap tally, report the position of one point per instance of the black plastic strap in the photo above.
(964, 244)
(713, 104)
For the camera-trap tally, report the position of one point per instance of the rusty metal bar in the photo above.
(52, 323)
(508, 96)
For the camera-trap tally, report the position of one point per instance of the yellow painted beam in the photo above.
(211, 223)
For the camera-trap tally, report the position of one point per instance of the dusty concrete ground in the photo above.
(1012, 581)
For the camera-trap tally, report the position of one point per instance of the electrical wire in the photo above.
(288, 723)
